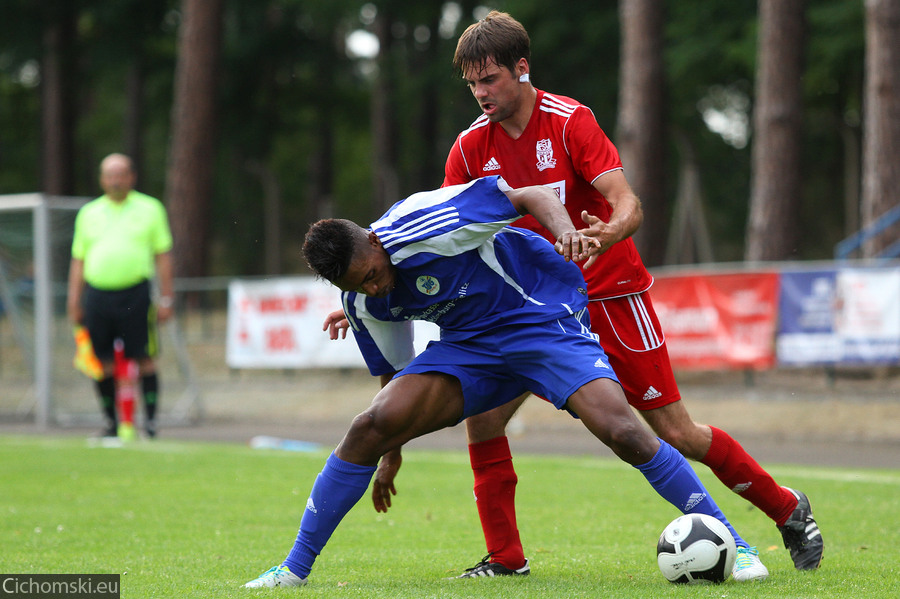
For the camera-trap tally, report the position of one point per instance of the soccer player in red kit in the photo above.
(532, 137)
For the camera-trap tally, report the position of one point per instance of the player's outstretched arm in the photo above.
(543, 204)
(627, 214)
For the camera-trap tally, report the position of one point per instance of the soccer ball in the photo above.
(696, 548)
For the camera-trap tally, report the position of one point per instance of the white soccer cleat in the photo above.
(747, 565)
(279, 576)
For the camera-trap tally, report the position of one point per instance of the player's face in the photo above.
(116, 179)
(497, 90)
(370, 272)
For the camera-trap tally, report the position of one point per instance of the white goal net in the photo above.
(38, 382)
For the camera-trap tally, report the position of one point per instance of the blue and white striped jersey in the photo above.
(460, 266)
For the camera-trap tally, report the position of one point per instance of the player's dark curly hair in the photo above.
(329, 245)
(497, 36)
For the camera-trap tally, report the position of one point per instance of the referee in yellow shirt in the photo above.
(121, 239)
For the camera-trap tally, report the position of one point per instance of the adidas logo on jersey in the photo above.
(651, 393)
(601, 363)
(693, 501)
(491, 165)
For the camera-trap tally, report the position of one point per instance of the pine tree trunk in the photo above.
(58, 100)
(881, 133)
(384, 128)
(189, 179)
(641, 127)
(776, 185)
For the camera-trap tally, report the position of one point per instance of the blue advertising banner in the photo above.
(807, 308)
(847, 316)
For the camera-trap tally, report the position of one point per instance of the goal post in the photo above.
(38, 382)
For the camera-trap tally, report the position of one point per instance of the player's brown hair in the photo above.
(497, 36)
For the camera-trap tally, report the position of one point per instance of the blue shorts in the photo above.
(551, 359)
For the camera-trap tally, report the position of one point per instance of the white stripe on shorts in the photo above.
(643, 323)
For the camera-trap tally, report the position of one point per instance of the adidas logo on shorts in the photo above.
(651, 393)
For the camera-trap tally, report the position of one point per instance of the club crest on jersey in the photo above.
(545, 157)
(428, 285)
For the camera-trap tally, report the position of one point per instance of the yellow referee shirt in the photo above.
(119, 241)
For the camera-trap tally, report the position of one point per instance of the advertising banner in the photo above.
(868, 315)
(808, 310)
(848, 316)
(277, 323)
(718, 321)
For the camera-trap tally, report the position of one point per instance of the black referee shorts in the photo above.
(126, 314)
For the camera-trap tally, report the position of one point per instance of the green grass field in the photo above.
(180, 519)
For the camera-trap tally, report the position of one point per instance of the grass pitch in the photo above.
(180, 519)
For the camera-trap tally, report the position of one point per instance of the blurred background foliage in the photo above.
(303, 82)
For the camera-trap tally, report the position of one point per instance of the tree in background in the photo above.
(641, 125)
(58, 106)
(295, 110)
(386, 184)
(189, 179)
(881, 141)
(776, 186)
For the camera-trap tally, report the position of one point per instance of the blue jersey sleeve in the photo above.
(386, 346)
(446, 222)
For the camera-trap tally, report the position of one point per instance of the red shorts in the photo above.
(630, 334)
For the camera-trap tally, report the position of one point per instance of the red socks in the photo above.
(495, 496)
(743, 475)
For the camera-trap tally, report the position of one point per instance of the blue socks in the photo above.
(341, 485)
(337, 489)
(674, 479)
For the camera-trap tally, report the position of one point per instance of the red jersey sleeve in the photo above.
(593, 154)
(455, 169)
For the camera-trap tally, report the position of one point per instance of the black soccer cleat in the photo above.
(487, 568)
(801, 535)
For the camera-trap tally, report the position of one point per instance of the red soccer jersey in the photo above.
(564, 148)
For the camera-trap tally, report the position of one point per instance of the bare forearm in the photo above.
(76, 285)
(543, 204)
(164, 274)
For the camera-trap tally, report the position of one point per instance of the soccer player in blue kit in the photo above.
(513, 318)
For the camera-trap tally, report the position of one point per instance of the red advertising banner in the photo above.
(718, 321)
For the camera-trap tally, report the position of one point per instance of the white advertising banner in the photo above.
(868, 317)
(277, 323)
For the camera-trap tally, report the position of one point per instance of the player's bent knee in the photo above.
(368, 439)
(633, 444)
(689, 441)
(674, 436)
